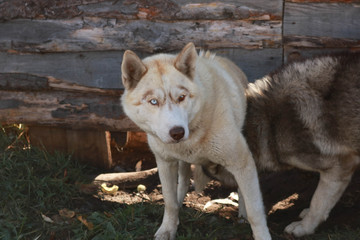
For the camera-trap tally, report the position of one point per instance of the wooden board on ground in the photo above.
(91, 147)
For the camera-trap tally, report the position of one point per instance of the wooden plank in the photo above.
(92, 147)
(89, 146)
(335, 20)
(323, 1)
(295, 53)
(320, 42)
(85, 34)
(254, 63)
(65, 105)
(131, 10)
(22, 81)
(94, 69)
(102, 69)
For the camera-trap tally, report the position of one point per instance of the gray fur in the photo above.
(307, 115)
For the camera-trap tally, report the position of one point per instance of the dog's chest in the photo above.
(191, 154)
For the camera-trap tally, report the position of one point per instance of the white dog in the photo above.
(192, 109)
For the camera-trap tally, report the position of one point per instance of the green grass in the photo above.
(35, 183)
(32, 182)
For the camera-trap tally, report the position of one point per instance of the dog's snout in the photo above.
(177, 133)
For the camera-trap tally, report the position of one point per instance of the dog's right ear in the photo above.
(132, 69)
(186, 60)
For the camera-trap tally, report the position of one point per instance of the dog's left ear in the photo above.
(132, 69)
(186, 60)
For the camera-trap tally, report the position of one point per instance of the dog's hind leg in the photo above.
(332, 184)
(168, 171)
(183, 181)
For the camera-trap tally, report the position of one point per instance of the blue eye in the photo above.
(154, 102)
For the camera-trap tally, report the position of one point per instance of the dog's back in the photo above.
(307, 109)
(307, 115)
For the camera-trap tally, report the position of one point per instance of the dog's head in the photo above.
(161, 94)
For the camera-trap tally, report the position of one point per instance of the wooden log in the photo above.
(94, 69)
(86, 34)
(320, 42)
(254, 63)
(62, 104)
(323, 1)
(295, 53)
(102, 69)
(135, 9)
(129, 179)
(335, 20)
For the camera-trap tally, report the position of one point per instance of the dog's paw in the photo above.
(242, 216)
(304, 213)
(163, 234)
(298, 229)
(242, 220)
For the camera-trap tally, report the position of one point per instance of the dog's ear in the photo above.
(186, 60)
(132, 69)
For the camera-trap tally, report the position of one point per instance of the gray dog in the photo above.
(305, 115)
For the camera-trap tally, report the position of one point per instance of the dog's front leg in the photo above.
(184, 181)
(242, 210)
(245, 174)
(168, 171)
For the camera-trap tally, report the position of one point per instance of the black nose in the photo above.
(177, 133)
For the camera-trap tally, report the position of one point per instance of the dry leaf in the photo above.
(46, 219)
(89, 225)
(108, 214)
(66, 213)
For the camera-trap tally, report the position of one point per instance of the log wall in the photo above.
(81, 42)
(60, 60)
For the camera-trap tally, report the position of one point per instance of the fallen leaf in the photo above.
(89, 225)
(108, 214)
(46, 219)
(66, 213)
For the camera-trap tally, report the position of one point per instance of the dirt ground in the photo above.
(285, 195)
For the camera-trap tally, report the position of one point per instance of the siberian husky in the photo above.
(305, 115)
(192, 108)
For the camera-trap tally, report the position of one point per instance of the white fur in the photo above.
(212, 115)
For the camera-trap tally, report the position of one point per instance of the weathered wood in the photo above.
(323, 1)
(135, 154)
(129, 179)
(335, 20)
(89, 146)
(254, 63)
(136, 140)
(94, 69)
(320, 42)
(84, 34)
(64, 104)
(291, 53)
(22, 81)
(149, 9)
(102, 69)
